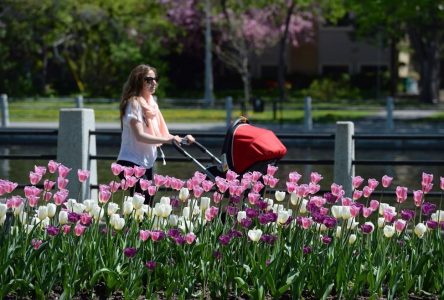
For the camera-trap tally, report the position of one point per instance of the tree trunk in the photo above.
(427, 52)
(245, 74)
(282, 62)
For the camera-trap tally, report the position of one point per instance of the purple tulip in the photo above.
(235, 233)
(246, 222)
(235, 199)
(312, 208)
(73, 217)
(432, 224)
(267, 262)
(217, 255)
(317, 217)
(428, 208)
(326, 239)
(173, 232)
(261, 204)
(289, 220)
(52, 230)
(268, 239)
(407, 214)
(366, 228)
(180, 240)
(307, 250)
(251, 213)
(151, 265)
(330, 198)
(174, 202)
(329, 222)
(130, 252)
(224, 239)
(231, 210)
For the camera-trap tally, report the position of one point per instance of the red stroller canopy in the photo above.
(252, 144)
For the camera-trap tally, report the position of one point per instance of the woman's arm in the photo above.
(144, 137)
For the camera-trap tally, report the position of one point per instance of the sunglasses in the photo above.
(150, 79)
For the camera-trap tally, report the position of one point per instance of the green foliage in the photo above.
(326, 89)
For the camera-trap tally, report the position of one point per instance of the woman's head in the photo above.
(142, 78)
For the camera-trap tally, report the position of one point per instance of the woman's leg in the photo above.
(137, 189)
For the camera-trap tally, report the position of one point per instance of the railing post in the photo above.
(74, 146)
(229, 110)
(79, 101)
(308, 120)
(344, 169)
(390, 106)
(5, 110)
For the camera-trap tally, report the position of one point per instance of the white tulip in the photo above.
(42, 212)
(420, 230)
(119, 223)
(3, 209)
(23, 217)
(69, 204)
(165, 200)
(173, 220)
(45, 222)
(138, 200)
(389, 231)
(52, 208)
(18, 210)
(279, 196)
(277, 208)
(438, 216)
(346, 213)
(336, 211)
(303, 208)
(78, 208)
(112, 208)
(184, 193)
(162, 210)
(255, 234)
(28, 228)
(381, 222)
(113, 218)
(241, 215)
(204, 203)
(186, 225)
(89, 204)
(128, 207)
(269, 202)
(338, 231)
(321, 227)
(294, 199)
(97, 213)
(63, 217)
(283, 217)
(352, 239)
(139, 214)
(186, 212)
(2, 220)
(351, 223)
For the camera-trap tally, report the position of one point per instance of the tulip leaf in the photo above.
(327, 291)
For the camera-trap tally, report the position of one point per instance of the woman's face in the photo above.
(150, 82)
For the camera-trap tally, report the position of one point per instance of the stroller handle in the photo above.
(179, 148)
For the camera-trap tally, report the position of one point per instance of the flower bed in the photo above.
(229, 238)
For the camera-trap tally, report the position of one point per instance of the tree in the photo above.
(421, 21)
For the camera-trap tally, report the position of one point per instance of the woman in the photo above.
(143, 126)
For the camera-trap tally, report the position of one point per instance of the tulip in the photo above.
(283, 217)
(420, 230)
(119, 223)
(36, 243)
(144, 235)
(338, 231)
(3, 209)
(162, 210)
(42, 213)
(381, 222)
(83, 175)
(399, 225)
(63, 217)
(79, 229)
(130, 252)
(303, 208)
(279, 196)
(426, 179)
(315, 177)
(63, 170)
(352, 239)
(418, 197)
(190, 238)
(357, 181)
(367, 227)
(367, 191)
(438, 216)
(51, 208)
(127, 207)
(389, 231)
(441, 185)
(204, 203)
(255, 234)
(357, 194)
(112, 208)
(386, 181)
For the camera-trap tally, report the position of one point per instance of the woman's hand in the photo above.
(190, 139)
(176, 138)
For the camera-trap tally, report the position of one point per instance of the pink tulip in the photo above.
(291, 187)
(128, 171)
(366, 212)
(158, 180)
(63, 171)
(199, 176)
(401, 194)
(257, 187)
(272, 182)
(324, 211)
(190, 238)
(114, 186)
(36, 243)
(271, 170)
(104, 196)
(33, 201)
(357, 181)
(427, 188)
(177, 184)
(389, 215)
(34, 178)
(318, 201)
(144, 235)
(116, 169)
(245, 183)
(399, 225)
(139, 171)
(337, 190)
(66, 229)
(60, 197)
(40, 170)
(354, 210)
(372, 183)
(217, 197)
(315, 177)
(167, 182)
(441, 179)
(156, 235)
(313, 188)
(124, 184)
(294, 177)
(198, 191)
(418, 197)
(357, 194)
(221, 184)
(426, 179)
(346, 201)
(48, 196)
(85, 219)
(83, 175)
(367, 191)
(256, 176)
(302, 190)
(79, 229)
(152, 189)
(306, 222)
(374, 204)
(31, 191)
(207, 185)
(62, 182)
(52, 166)
(386, 181)
(253, 197)
(131, 181)
(48, 184)
(211, 213)
(231, 175)
(266, 179)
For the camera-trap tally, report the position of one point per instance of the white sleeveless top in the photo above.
(131, 149)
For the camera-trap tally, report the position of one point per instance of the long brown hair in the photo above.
(133, 86)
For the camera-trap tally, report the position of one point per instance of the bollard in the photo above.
(308, 120)
(229, 110)
(79, 101)
(5, 110)
(74, 146)
(390, 107)
(344, 169)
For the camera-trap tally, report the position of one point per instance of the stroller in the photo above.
(246, 148)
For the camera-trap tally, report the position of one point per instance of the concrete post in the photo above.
(79, 101)
(344, 170)
(308, 120)
(390, 106)
(5, 110)
(74, 145)
(229, 110)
